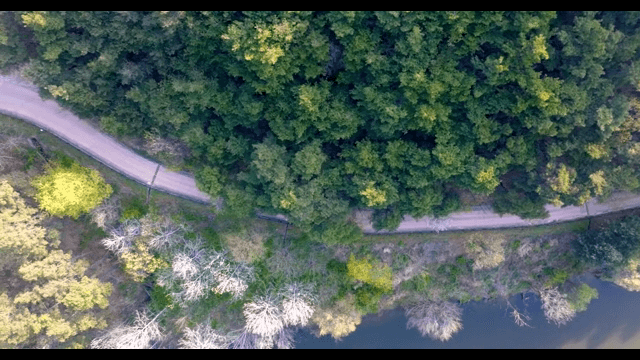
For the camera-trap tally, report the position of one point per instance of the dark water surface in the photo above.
(611, 321)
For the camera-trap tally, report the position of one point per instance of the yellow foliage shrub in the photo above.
(370, 272)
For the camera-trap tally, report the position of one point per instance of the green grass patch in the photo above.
(90, 234)
(515, 245)
(419, 283)
(522, 286)
(212, 239)
(160, 299)
(555, 276)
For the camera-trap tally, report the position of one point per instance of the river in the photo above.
(611, 321)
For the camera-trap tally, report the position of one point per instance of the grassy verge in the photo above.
(13, 127)
(462, 235)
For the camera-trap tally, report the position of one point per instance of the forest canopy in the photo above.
(311, 114)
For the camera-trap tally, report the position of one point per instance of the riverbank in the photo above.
(611, 321)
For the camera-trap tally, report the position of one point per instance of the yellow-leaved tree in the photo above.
(69, 189)
(59, 303)
(19, 230)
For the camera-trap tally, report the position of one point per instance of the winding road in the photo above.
(21, 100)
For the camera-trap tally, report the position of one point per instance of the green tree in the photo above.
(582, 296)
(411, 101)
(612, 246)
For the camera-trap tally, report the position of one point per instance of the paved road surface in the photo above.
(21, 100)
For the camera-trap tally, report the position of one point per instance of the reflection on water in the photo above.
(611, 321)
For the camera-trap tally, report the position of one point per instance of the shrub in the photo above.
(247, 245)
(387, 219)
(515, 245)
(134, 208)
(90, 234)
(367, 299)
(160, 299)
(556, 277)
(70, 190)
(370, 272)
(419, 283)
(340, 232)
(400, 261)
(211, 239)
(461, 260)
(337, 266)
(522, 286)
(486, 250)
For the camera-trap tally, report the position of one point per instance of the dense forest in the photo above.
(312, 114)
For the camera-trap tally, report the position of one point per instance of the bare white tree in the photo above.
(193, 274)
(106, 214)
(556, 307)
(265, 342)
(263, 317)
(519, 318)
(245, 340)
(163, 233)
(284, 338)
(144, 333)
(436, 320)
(297, 305)
(120, 240)
(184, 266)
(525, 248)
(228, 283)
(204, 337)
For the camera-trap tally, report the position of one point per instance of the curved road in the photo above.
(21, 100)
